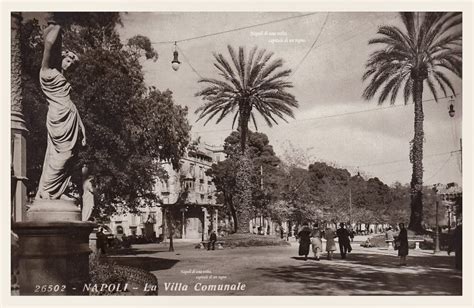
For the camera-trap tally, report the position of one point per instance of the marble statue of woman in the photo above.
(65, 127)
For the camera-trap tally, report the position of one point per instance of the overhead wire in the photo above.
(235, 29)
(441, 168)
(404, 160)
(189, 62)
(312, 45)
(341, 114)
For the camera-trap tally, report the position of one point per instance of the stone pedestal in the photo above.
(53, 210)
(53, 249)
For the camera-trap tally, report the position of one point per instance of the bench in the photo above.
(203, 244)
(417, 242)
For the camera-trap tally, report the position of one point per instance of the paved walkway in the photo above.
(279, 271)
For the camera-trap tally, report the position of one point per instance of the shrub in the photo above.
(102, 271)
(251, 240)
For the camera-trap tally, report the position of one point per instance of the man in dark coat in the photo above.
(457, 243)
(344, 241)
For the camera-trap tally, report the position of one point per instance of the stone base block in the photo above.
(53, 210)
(53, 257)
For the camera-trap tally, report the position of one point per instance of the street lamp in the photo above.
(175, 63)
(451, 111)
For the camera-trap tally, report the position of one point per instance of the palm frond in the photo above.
(242, 66)
(235, 118)
(398, 36)
(389, 86)
(409, 22)
(252, 116)
(440, 83)
(445, 80)
(395, 89)
(432, 87)
(408, 90)
(249, 64)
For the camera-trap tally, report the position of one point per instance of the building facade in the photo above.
(188, 207)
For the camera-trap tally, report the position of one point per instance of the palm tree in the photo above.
(250, 85)
(256, 84)
(427, 52)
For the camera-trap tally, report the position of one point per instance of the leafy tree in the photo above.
(330, 191)
(227, 174)
(129, 127)
(427, 52)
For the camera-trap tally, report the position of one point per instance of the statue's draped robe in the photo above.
(63, 124)
(87, 199)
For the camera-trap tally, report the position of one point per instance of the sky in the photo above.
(333, 123)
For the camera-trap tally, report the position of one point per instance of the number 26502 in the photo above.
(49, 288)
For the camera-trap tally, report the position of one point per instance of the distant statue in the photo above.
(65, 127)
(88, 202)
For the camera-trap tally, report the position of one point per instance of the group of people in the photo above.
(313, 237)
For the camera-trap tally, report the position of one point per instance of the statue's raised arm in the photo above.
(65, 127)
(52, 47)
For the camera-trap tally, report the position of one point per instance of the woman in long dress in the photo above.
(329, 235)
(316, 242)
(304, 237)
(402, 240)
(65, 127)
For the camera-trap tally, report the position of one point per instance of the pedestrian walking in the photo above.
(456, 245)
(344, 241)
(401, 243)
(212, 241)
(316, 242)
(304, 235)
(351, 233)
(329, 235)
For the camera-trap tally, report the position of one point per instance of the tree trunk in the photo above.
(233, 212)
(170, 229)
(244, 118)
(416, 183)
(243, 198)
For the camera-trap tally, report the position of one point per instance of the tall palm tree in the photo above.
(426, 52)
(249, 85)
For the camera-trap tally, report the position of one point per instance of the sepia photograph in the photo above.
(224, 153)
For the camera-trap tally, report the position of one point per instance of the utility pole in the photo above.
(350, 206)
(436, 248)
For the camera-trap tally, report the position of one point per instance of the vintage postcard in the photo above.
(264, 156)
